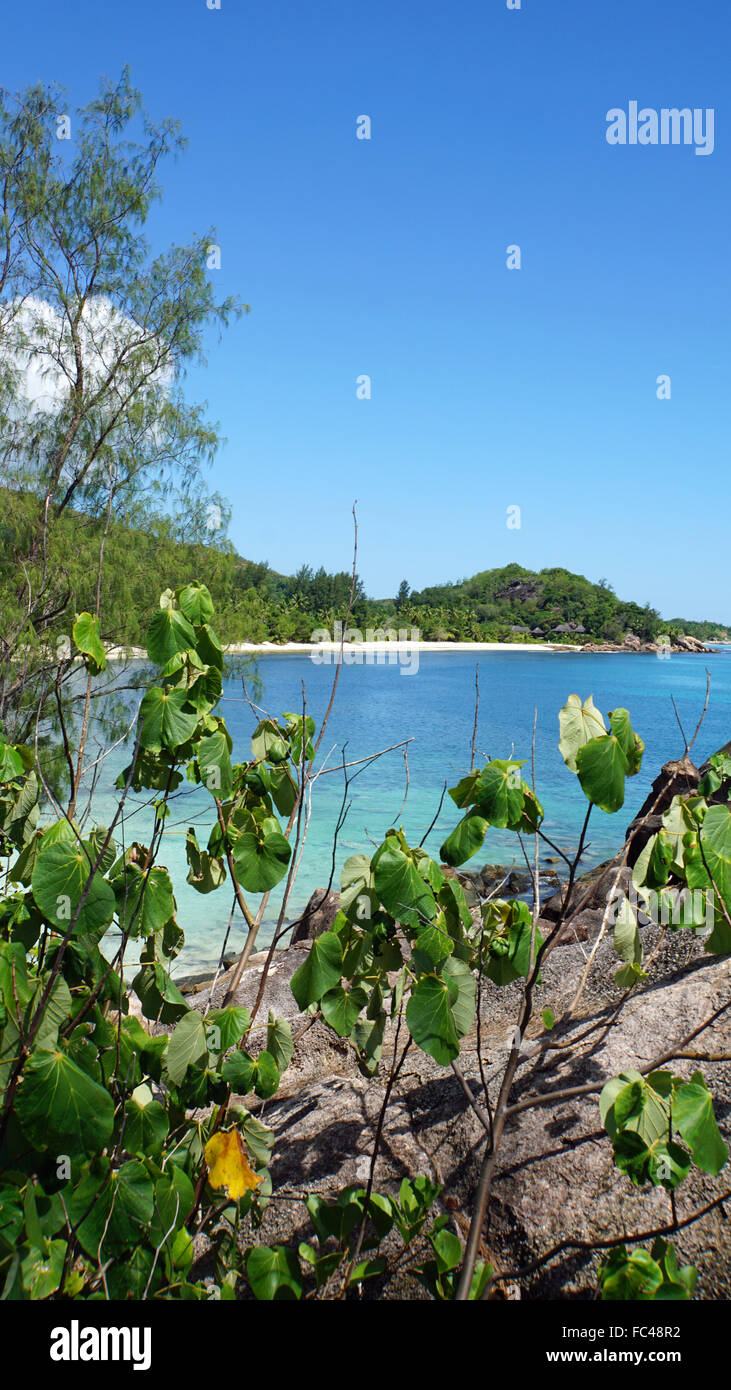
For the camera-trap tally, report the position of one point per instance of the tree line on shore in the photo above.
(257, 604)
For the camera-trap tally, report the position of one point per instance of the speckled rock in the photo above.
(318, 916)
(555, 1178)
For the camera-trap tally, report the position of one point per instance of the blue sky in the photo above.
(490, 388)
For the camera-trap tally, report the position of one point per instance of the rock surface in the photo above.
(632, 643)
(555, 1180)
(318, 916)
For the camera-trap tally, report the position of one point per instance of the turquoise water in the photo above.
(377, 706)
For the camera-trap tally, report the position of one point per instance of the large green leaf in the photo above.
(269, 741)
(187, 1045)
(602, 767)
(636, 1113)
(42, 1269)
(145, 901)
(11, 763)
(631, 1276)
(60, 875)
(158, 994)
(167, 719)
(464, 841)
(214, 764)
(131, 1202)
(85, 633)
(511, 938)
(205, 873)
(15, 987)
(137, 1276)
(319, 972)
(501, 793)
(296, 728)
(205, 691)
(677, 1283)
(229, 1024)
(694, 1119)
(261, 863)
(88, 1204)
(715, 841)
(464, 1006)
(209, 648)
(430, 1019)
(195, 603)
(628, 945)
(146, 1123)
(452, 900)
(368, 1041)
(168, 633)
(432, 943)
(173, 1201)
(279, 1041)
(154, 770)
(465, 792)
(273, 1274)
(578, 724)
(653, 864)
(399, 885)
(59, 1105)
(238, 1071)
(341, 1008)
(283, 789)
(259, 1139)
(630, 742)
(58, 1010)
(356, 884)
(631, 1101)
(116, 1211)
(266, 1077)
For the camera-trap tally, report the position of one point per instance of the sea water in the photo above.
(376, 707)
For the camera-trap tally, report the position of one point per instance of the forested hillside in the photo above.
(254, 603)
(553, 599)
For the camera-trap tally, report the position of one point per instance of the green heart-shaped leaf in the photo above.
(602, 767)
(430, 1020)
(167, 719)
(60, 875)
(86, 636)
(60, 1107)
(196, 603)
(261, 863)
(578, 724)
(168, 633)
(319, 972)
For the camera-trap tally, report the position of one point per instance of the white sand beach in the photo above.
(353, 650)
(382, 648)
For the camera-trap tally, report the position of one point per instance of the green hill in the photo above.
(255, 603)
(554, 600)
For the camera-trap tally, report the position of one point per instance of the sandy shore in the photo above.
(381, 648)
(353, 650)
(382, 652)
(125, 653)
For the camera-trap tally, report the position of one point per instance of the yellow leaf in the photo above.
(228, 1165)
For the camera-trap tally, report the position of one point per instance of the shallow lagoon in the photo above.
(377, 706)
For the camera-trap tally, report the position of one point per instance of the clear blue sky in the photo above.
(491, 388)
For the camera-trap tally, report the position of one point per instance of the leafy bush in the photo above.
(121, 1143)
